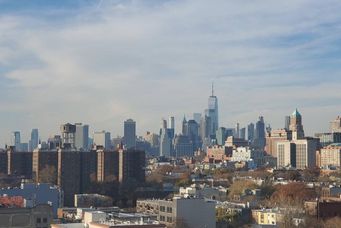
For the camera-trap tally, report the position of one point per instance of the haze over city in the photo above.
(101, 62)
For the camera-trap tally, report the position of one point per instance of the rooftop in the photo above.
(296, 113)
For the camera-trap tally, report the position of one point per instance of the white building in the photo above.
(205, 191)
(189, 212)
(102, 138)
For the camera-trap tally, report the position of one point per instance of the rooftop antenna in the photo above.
(212, 89)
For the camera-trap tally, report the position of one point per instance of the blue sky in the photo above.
(101, 62)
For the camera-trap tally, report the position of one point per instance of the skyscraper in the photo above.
(102, 138)
(212, 112)
(171, 122)
(17, 140)
(184, 126)
(237, 131)
(335, 125)
(129, 134)
(197, 117)
(165, 141)
(296, 125)
(34, 141)
(287, 122)
(205, 128)
(221, 136)
(82, 136)
(193, 133)
(259, 141)
(183, 146)
(242, 133)
(68, 135)
(250, 132)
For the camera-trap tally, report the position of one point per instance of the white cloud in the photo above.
(148, 61)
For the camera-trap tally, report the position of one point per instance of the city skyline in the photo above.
(102, 62)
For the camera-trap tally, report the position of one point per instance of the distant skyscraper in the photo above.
(171, 127)
(197, 117)
(102, 138)
(165, 141)
(171, 122)
(34, 141)
(221, 136)
(242, 133)
(193, 133)
(237, 135)
(184, 126)
(68, 135)
(250, 132)
(17, 140)
(130, 134)
(82, 136)
(260, 133)
(296, 125)
(205, 128)
(183, 146)
(287, 122)
(335, 125)
(212, 112)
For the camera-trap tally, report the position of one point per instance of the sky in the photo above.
(101, 62)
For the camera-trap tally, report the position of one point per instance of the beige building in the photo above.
(267, 217)
(296, 125)
(335, 125)
(331, 155)
(285, 154)
(273, 137)
(299, 154)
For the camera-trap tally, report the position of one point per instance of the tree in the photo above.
(239, 186)
(48, 175)
(333, 222)
(311, 174)
(184, 180)
(292, 194)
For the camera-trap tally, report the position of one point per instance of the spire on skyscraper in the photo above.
(212, 89)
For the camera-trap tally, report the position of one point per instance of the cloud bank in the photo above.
(103, 62)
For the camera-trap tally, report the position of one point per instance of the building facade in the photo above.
(129, 138)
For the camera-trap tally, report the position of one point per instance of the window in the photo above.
(169, 219)
(162, 208)
(162, 218)
(38, 220)
(169, 210)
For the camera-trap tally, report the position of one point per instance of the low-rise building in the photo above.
(93, 218)
(181, 211)
(38, 194)
(92, 200)
(267, 216)
(325, 208)
(204, 191)
(39, 216)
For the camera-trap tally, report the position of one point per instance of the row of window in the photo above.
(39, 220)
(163, 209)
(164, 219)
